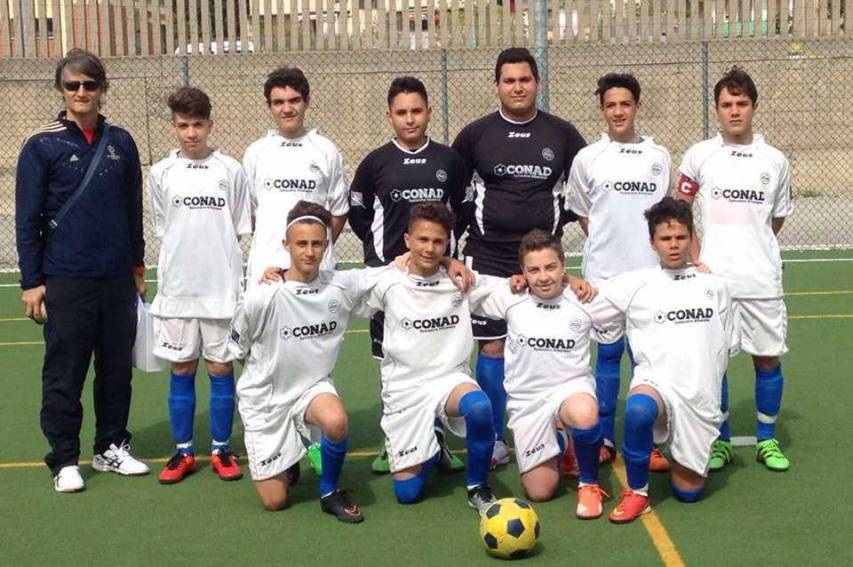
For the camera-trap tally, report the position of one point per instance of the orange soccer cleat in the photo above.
(590, 497)
(225, 465)
(632, 505)
(178, 468)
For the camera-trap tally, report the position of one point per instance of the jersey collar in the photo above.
(408, 151)
(516, 122)
(643, 140)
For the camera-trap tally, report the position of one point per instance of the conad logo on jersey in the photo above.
(308, 331)
(636, 187)
(291, 184)
(431, 324)
(199, 202)
(738, 195)
(686, 315)
(419, 195)
(546, 343)
(523, 170)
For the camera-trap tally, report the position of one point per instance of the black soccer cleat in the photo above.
(340, 506)
(447, 461)
(480, 498)
(292, 474)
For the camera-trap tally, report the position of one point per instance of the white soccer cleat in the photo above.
(68, 480)
(120, 461)
(500, 454)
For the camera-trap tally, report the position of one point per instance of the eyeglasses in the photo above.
(74, 86)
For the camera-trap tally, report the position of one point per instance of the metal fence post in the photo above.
(705, 86)
(185, 71)
(445, 99)
(540, 52)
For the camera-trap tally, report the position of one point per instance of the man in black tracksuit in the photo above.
(81, 271)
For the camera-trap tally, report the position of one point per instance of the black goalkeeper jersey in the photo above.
(517, 172)
(389, 181)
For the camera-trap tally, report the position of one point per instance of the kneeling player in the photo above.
(679, 324)
(548, 377)
(425, 371)
(200, 204)
(289, 335)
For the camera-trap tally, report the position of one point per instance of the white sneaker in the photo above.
(68, 479)
(119, 460)
(500, 454)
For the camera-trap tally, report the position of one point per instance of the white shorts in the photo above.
(533, 422)
(688, 431)
(410, 432)
(760, 326)
(608, 333)
(281, 443)
(184, 340)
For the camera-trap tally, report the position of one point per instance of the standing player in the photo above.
(200, 207)
(425, 370)
(612, 182)
(518, 159)
(410, 169)
(678, 322)
(289, 164)
(548, 378)
(289, 335)
(744, 190)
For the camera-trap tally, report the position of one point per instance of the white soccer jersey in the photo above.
(547, 342)
(612, 184)
(427, 332)
(741, 189)
(679, 325)
(200, 208)
(281, 172)
(289, 333)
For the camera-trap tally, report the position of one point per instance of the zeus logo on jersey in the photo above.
(287, 144)
(199, 202)
(686, 315)
(307, 291)
(630, 151)
(548, 306)
(419, 195)
(523, 170)
(414, 161)
(291, 184)
(518, 135)
(680, 277)
(738, 195)
(308, 331)
(737, 153)
(426, 284)
(546, 343)
(431, 324)
(197, 166)
(635, 187)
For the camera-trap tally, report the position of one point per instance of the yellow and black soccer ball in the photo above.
(509, 528)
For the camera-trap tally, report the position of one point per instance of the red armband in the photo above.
(687, 186)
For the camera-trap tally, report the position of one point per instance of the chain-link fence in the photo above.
(803, 89)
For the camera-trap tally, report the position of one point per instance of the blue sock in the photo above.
(587, 443)
(221, 410)
(182, 409)
(410, 490)
(490, 377)
(333, 455)
(768, 400)
(688, 496)
(641, 410)
(725, 434)
(607, 367)
(476, 408)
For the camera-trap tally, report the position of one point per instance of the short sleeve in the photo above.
(338, 189)
(491, 297)
(783, 205)
(578, 200)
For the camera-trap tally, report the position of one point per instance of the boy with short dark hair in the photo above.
(200, 207)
